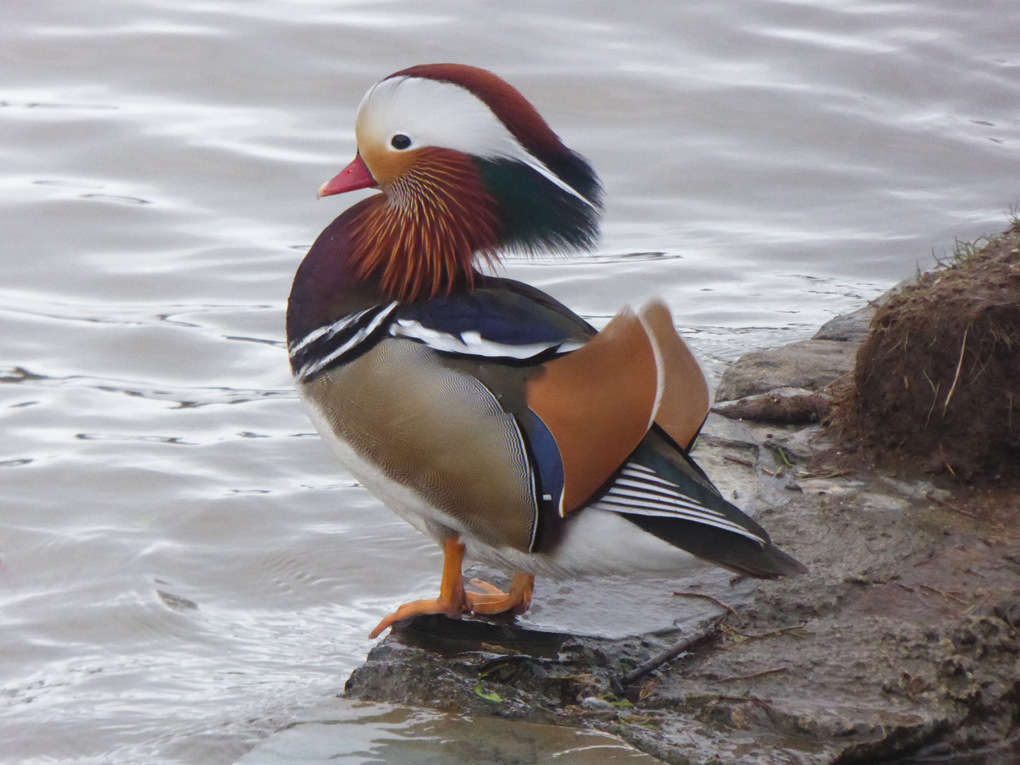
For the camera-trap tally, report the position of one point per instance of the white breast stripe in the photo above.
(331, 329)
(473, 344)
(311, 337)
(359, 336)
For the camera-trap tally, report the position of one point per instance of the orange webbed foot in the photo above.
(494, 601)
(452, 600)
(451, 609)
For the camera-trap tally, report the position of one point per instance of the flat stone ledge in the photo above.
(811, 364)
(808, 364)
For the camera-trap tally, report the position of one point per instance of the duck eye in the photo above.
(400, 142)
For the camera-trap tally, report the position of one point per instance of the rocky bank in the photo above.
(901, 645)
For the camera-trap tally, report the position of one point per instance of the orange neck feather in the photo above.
(421, 236)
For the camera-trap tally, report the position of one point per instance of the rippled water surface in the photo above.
(184, 567)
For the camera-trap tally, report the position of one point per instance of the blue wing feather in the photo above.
(492, 323)
(502, 321)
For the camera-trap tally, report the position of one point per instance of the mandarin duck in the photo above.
(484, 412)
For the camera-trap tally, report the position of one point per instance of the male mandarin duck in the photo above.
(484, 412)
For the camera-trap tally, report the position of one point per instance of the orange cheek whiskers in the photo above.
(422, 237)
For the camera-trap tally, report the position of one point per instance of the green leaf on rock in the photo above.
(487, 695)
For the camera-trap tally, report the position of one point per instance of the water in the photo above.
(184, 567)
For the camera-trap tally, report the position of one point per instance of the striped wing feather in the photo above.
(663, 492)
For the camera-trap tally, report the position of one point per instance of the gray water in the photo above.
(184, 566)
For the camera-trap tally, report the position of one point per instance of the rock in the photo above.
(786, 406)
(903, 637)
(851, 327)
(810, 364)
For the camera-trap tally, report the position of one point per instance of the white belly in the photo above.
(596, 542)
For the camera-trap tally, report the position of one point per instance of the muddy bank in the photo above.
(902, 644)
(903, 638)
(937, 381)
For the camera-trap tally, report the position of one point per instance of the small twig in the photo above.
(706, 596)
(745, 463)
(772, 633)
(826, 387)
(774, 446)
(976, 605)
(935, 397)
(684, 644)
(931, 495)
(947, 596)
(826, 474)
(959, 366)
(752, 675)
(1005, 618)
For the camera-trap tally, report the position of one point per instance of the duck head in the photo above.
(468, 169)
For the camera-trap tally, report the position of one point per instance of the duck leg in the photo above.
(452, 601)
(495, 601)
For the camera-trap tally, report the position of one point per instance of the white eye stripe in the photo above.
(437, 113)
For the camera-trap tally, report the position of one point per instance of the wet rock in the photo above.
(902, 639)
(853, 327)
(481, 668)
(819, 670)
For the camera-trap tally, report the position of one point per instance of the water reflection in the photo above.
(767, 165)
(364, 733)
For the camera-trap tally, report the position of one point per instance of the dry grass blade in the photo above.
(752, 675)
(705, 596)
